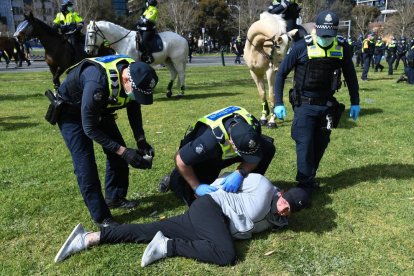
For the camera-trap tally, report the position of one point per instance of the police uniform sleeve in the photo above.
(93, 103)
(202, 148)
(294, 54)
(350, 76)
(135, 119)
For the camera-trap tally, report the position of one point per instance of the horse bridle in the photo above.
(98, 32)
(262, 52)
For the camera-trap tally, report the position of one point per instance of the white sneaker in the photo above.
(156, 249)
(74, 243)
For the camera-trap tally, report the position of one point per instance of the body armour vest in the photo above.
(322, 67)
(108, 66)
(215, 122)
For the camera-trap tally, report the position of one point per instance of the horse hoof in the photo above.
(263, 122)
(271, 125)
(169, 94)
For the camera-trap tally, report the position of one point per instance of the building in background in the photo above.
(120, 7)
(12, 13)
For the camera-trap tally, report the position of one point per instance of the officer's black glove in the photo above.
(132, 157)
(144, 148)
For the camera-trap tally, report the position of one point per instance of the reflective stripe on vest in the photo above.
(215, 122)
(315, 51)
(109, 63)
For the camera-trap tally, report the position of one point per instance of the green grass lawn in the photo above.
(361, 221)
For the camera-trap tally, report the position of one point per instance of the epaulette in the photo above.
(308, 39)
(341, 39)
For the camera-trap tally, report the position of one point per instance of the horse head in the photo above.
(25, 29)
(94, 38)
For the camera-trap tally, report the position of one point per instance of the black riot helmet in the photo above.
(152, 3)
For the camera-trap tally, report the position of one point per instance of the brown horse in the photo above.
(11, 49)
(59, 53)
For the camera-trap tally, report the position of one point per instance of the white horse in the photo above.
(266, 45)
(174, 53)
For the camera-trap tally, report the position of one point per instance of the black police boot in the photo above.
(121, 203)
(164, 185)
(108, 222)
(402, 78)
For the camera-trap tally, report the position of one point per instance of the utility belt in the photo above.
(335, 108)
(55, 107)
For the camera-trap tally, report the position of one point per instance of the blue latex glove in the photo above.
(280, 111)
(204, 189)
(354, 112)
(232, 182)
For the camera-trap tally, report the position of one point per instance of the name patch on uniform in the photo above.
(223, 113)
(106, 59)
(336, 54)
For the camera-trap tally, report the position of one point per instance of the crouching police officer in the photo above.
(92, 91)
(225, 137)
(318, 61)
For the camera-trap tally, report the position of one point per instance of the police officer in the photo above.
(290, 11)
(401, 51)
(379, 52)
(368, 47)
(238, 49)
(409, 70)
(318, 61)
(92, 91)
(69, 23)
(146, 26)
(358, 52)
(225, 137)
(391, 54)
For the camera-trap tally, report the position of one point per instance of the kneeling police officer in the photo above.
(222, 138)
(318, 61)
(87, 99)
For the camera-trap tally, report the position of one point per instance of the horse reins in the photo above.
(99, 32)
(262, 52)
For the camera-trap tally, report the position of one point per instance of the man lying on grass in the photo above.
(205, 232)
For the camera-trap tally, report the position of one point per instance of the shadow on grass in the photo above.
(9, 124)
(197, 96)
(17, 97)
(320, 218)
(160, 202)
(347, 123)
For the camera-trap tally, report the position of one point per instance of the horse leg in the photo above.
(180, 69)
(56, 72)
(173, 74)
(259, 80)
(270, 75)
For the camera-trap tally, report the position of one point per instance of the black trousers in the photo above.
(201, 233)
(208, 171)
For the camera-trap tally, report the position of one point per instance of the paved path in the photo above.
(41, 66)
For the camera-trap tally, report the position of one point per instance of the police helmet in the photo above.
(152, 3)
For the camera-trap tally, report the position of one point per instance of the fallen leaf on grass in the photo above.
(269, 253)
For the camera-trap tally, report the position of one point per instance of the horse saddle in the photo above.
(155, 43)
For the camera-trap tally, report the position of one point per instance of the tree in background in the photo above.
(362, 15)
(177, 16)
(214, 16)
(400, 23)
(250, 11)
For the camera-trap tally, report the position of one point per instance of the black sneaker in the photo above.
(122, 203)
(164, 184)
(108, 222)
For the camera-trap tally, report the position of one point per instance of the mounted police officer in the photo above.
(368, 48)
(86, 101)
(318, 61)
(379, 52)
(146, 27)
(290, 11)
(222, 138)
(391, 54)
(69, 23)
